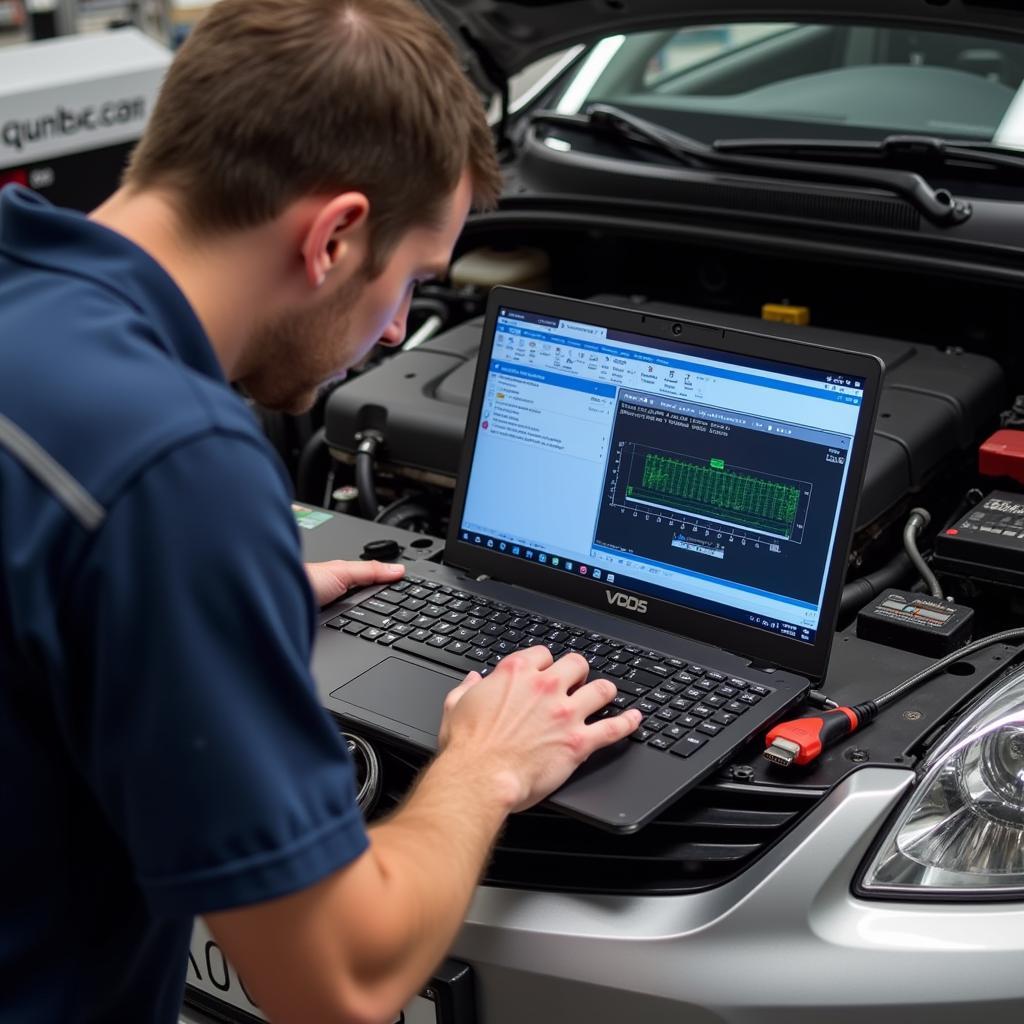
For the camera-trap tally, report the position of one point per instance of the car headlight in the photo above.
(961, 831)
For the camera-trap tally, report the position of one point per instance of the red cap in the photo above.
(1003, 455)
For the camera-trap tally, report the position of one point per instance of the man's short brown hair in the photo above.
(272, 100)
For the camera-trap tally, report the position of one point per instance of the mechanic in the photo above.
(162, 748)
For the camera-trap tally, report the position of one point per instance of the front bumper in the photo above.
(785, 943)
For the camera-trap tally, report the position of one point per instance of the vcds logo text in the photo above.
(627, 601)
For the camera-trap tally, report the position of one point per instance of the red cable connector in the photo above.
(801, 740)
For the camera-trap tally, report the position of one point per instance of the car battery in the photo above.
(71, 109)
(987, 542)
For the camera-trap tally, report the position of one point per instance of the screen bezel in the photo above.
(807, 659)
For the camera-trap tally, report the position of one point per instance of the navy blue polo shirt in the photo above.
(162, 750)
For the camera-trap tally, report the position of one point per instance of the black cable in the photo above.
(857, 593)
(368, 443)
(397, 503)
(1005, 636)
(310, 465)
(919, 519)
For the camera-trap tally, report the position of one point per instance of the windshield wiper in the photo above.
(938, 205)
(927, 152)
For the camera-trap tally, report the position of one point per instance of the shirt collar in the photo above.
(35, 232)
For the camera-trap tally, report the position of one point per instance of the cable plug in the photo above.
(802, 740)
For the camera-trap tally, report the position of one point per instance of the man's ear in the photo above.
(336, 238)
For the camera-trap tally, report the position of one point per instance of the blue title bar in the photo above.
(677, 364)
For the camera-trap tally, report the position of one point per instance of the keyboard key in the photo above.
(654, 667)
(714, 700)
(442, 628)
(670, 687)
(654, 724)
(641, 735)
(668, 714)
(371, 633)
(701, 711)
(689, 721)
(463, 634)
(403, 615)
(478, 654)
(364, 615)
(401, 628)
(761, 691)
(675, 663)
(749, 698)
(454, 617)
(705, 684)
(613, 670)
(432, 611)
(647, 707)
(353, 628)
(684, 678)
(458, 606)
(457, 647)
(635, 675)
(659, 697)
(420, 635)
(710, 728)
(387, 638)
(501, 618)
(681, 704)
(502, 647)
(727, 691)
(625, 686)
(375, 604)
(338, 623)
(695, 670)
(623, 700)
(689, 745)
(675, 730)
(661, 742)
(723, 718)
(736, 707)
(439, 640)
(418, 592)
(390, 595)
(718, 677)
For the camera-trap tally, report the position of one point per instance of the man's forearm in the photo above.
(430, 855)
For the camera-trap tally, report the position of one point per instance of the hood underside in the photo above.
(501, 37)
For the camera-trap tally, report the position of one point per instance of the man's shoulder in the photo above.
(90, 380)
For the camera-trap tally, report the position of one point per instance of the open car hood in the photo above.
(500, 37)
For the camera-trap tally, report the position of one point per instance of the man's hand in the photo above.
(523, 728)
(330, 580)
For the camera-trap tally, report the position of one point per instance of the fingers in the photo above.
(538, 658)
(593, 696)
(456, 694)
(610, 730)
(362, 574)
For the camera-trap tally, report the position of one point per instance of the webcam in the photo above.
(677, 329)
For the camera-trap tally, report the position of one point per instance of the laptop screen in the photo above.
(710, 480)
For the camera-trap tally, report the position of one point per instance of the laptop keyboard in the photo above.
(685, 704)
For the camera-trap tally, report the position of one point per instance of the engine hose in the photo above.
(857, 593)
(313, 462)
(369, 442)
(919, 519)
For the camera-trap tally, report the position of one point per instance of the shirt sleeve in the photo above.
(196, 721)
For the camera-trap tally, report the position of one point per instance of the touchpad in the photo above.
(400, 690)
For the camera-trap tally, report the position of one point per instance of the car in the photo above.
(852, 175)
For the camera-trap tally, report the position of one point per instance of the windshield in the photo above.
(787, 80)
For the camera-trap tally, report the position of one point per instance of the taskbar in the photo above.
(601, 574)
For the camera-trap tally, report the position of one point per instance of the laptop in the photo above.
(671, 499)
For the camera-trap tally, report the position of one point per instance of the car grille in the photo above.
(703, 840)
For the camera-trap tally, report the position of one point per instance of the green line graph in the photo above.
(714, 490)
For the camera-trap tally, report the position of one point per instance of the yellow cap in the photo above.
(800, 315)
